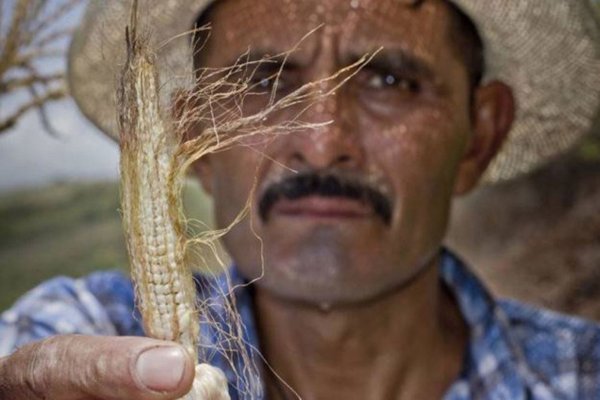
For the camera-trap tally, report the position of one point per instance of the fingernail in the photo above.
(161, 368)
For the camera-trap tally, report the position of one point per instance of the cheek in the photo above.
(415, 145)
(420, 151)
(420, 155)
(233, 181)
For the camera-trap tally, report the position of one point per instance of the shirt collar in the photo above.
(493, 365)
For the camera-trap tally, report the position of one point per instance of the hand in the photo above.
(75, 367)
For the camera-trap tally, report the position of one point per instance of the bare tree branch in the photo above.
(41, 109)
(10, 85)
(36, 54)
(57, 14)
(52, 37)
(10, 45)
(32, 31)
(35, 103)
(34, 12)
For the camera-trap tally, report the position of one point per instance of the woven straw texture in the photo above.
(547, 51)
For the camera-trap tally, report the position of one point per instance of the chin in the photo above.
(320, 294)
(324, 264)
(331, 284)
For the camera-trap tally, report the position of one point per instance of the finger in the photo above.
(75, 367)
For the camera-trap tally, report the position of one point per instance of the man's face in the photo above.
(353, 209)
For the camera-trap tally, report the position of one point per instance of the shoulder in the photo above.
(562, 350)
(100, 303)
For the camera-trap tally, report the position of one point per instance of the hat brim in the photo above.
(548, 54)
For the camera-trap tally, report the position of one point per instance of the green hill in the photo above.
(64, 229)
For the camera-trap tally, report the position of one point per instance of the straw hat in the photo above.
(548, 52)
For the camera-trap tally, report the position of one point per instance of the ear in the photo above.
(180, 106)
(492, 116)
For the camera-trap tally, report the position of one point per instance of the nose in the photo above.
(332, 141)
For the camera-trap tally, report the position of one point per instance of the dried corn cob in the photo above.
(154, 158)
(152, 218)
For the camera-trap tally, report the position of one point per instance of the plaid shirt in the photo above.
(514, 351)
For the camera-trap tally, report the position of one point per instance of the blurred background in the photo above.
(536, 238)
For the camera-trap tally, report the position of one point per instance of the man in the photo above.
(357, 299)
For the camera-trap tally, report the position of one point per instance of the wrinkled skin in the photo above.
(406, 130)
(340, 286)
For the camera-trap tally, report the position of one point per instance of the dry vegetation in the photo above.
(66, 229)
(34, 35)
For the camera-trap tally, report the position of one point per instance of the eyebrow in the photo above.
(265, 60)
(384, 61)
(397, 60)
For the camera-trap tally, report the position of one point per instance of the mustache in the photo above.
(326, 185)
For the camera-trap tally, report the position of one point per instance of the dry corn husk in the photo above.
(152, 216)
(154, 159)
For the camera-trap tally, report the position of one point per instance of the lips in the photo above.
(318, 207)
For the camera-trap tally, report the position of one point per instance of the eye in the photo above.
(266, 83)
(391, 81)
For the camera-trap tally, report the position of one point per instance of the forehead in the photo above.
(354, 26)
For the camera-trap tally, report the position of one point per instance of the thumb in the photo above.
(80, 367)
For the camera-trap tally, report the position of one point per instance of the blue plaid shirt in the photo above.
(514, 351)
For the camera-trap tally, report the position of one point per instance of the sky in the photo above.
(30, 156)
